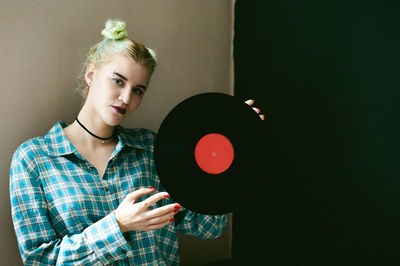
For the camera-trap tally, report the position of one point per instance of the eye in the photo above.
(137, 91)
(118, 81)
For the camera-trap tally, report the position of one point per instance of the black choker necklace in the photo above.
(87, 130)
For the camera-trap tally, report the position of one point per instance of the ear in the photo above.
(89, 73)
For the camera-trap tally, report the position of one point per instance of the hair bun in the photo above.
(115, 29)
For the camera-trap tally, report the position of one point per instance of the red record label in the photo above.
(214, 153)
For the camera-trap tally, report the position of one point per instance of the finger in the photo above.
(135, 195)
(161, 219)
(158, 226)
(164, 210)
(250, 102)
(153, 199)
(262, 117)
(257, 110)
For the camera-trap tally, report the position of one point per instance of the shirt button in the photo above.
(106, 189)
(109, 257)
(124, 251)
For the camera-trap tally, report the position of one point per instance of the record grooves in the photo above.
(207, 153)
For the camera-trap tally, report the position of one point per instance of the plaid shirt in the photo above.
(63, 212)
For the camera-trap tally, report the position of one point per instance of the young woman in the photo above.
(88, 193)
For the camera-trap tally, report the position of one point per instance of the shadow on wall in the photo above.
(328, 75)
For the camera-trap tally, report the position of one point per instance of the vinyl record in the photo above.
(207, 153)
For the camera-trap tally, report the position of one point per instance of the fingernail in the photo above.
(152, 188)
(166, 196)
(171, 220)
(176, 210)
(177, 206)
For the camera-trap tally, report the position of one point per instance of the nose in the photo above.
(125, 96)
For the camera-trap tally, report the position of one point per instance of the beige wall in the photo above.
(43, 42)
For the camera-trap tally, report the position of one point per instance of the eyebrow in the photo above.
(121, 76)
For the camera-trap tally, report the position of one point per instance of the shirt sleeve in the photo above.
(201, 225)
(100, 243)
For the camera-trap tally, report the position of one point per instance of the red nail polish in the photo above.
(177, 206)
(176, 210)
(171, 220)
(166, 196)
(152, 188)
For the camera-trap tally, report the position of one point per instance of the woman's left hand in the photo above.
(257, 110)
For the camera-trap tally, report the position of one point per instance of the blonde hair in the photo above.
(115, 41)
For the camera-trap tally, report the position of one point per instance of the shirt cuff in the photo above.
(107, 241)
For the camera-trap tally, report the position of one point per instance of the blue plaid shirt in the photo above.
(63, 212)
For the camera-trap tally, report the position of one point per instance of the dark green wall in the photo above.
(327, 75)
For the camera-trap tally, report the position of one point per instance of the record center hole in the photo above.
(214, 153)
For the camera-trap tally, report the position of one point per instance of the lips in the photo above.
(120, 110)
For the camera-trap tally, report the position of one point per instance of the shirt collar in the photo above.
(131, 138)
(58, 144)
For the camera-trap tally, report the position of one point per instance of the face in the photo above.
(116, 88)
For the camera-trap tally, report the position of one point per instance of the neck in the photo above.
(93, 123)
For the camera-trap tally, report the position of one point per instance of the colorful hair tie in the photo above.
(115, 30)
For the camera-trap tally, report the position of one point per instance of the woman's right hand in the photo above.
(136, 216)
